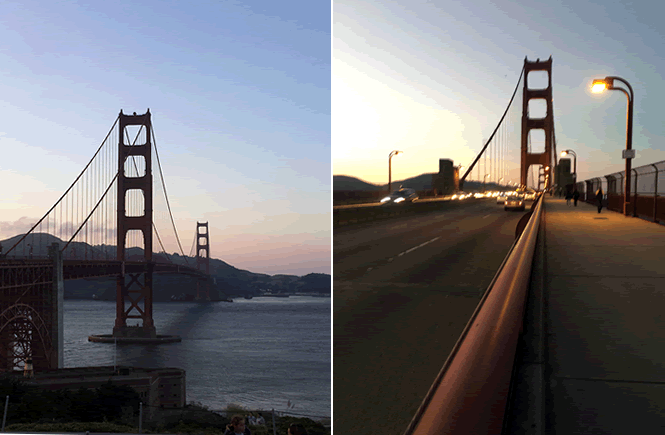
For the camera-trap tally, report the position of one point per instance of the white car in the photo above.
(501, 199)
(402, 195)
(514, 203)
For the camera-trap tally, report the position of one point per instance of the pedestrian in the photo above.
(576, 196)
(599, 198)
(237, 426)
(569, 196)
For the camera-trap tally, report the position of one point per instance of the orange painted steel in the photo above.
(470, 393)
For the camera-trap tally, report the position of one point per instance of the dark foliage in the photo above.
(312, 427)
(31, 404)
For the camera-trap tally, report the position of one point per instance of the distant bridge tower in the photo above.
(134, 287)
(546, 123)
(202, 262)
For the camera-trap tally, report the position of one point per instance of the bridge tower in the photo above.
(547, 123)
(202, 245)
(134, 287)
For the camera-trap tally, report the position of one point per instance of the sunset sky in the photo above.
(433, 78)
(240, 99)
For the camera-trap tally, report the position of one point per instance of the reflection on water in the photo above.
(260, 353)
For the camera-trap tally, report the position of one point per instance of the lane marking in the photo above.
(487, 216)
(419, 246)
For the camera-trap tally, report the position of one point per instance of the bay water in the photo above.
(262, 353)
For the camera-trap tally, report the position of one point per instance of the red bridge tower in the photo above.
(202, 245)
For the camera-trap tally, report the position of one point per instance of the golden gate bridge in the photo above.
(102, 226)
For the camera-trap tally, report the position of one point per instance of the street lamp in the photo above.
(600, 85)
(566, 152)
(485, 179)
(390, 157)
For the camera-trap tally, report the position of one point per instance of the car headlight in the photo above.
(387, 198)
(399, 200)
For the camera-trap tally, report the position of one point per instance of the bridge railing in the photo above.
(647, 196)
(470, 393)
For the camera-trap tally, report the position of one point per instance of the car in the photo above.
(501, 199)
(531, 196)
(514, 203)
(403, 195)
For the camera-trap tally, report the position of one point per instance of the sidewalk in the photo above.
(604, 315)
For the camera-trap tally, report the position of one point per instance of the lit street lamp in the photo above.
(390, 157)
(608, 83)
(566, 152)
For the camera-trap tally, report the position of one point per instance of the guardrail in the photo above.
(470, 393)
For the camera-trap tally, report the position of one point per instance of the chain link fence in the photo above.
(647, 196)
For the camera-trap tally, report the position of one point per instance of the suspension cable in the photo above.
(67, 191)
(101, 199)
(497, 127)
(154, 143)
(191, 251)
(90, 214)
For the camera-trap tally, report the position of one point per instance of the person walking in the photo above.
(576, 196)
(599, 198)
(569, 196)
(237, 426)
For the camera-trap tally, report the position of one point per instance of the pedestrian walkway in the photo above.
(604, 317)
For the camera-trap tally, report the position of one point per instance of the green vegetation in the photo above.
(115, 409)
(70, 427)
(31, 404)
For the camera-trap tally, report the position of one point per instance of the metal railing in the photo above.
(471, 391)
(647, 199)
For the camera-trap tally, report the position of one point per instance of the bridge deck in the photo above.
(601, 344)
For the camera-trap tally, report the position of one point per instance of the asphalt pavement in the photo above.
(403, 291)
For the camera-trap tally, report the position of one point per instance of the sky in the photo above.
(239, 94)
(432, 79)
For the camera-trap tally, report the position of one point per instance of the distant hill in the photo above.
(343, 182)
(229, 280)
(419, 182)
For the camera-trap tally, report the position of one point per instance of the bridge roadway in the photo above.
(601, 347)
(404, 288)
(77, 269)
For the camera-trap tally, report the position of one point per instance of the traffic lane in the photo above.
(364, 252)
(345, 238)
(463, 268)
(391, 336)
(378, 203)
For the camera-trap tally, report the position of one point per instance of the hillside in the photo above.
(419, 182)
(228, 280)
(343, 182)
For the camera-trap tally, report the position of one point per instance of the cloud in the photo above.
(20, 226)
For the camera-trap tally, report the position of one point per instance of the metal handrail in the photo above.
(470, 393)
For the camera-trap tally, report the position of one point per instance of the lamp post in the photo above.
(600, 85)
(566, 152)
(390, 157)
(485, 179)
